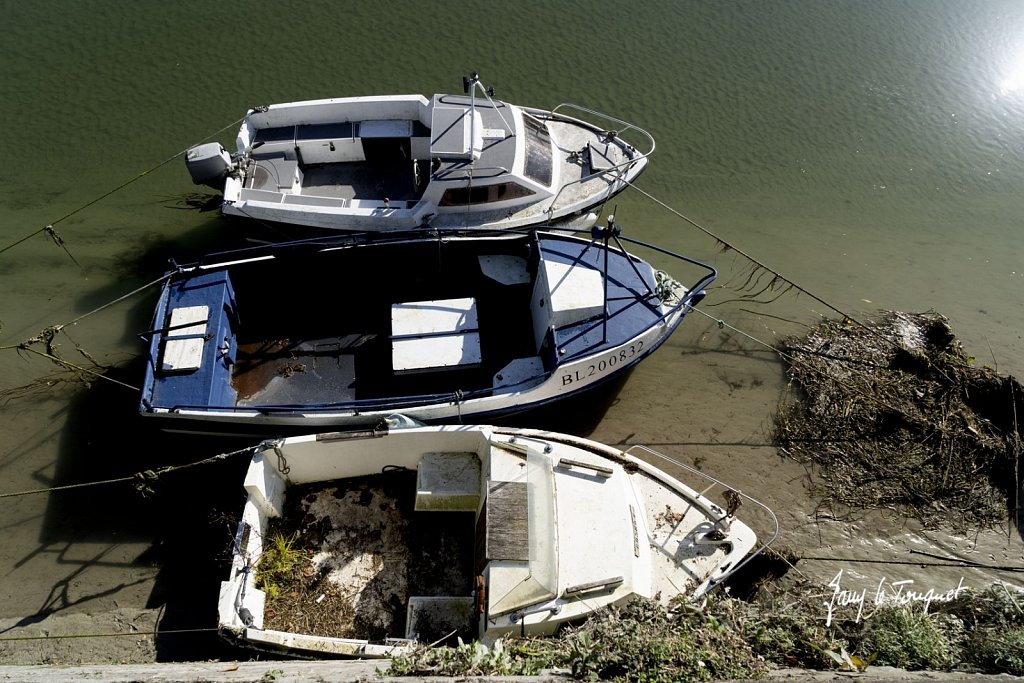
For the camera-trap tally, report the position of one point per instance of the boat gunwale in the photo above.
(355, 407)
(622, 458)
(396, 404)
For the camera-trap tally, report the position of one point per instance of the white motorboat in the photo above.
(401, 162)
(410, 534)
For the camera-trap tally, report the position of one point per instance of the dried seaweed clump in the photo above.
(894, 414)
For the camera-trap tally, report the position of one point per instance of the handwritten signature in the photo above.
(897, 592)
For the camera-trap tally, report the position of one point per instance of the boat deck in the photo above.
(358, 180)
(683, 553)
(323, 335)
(371, 551)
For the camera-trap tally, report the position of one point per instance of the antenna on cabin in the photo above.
(469, 84)
(612, 230)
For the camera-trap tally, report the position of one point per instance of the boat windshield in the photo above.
(541, 582)
(538, 150)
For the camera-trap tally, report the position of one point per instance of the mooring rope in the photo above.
(73, 366)
(59, 241)
(117, 300)
(777, 275)
(137, 634)
(52, 330)
(745, 255)
(48, 334)
(142, 479)
(723, 325)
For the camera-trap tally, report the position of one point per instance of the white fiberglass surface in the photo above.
(540, 581)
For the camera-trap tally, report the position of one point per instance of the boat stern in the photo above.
(192, 345)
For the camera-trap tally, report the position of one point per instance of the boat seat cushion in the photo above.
(433, 335)
(184, 341)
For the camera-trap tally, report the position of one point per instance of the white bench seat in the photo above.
(431, 335)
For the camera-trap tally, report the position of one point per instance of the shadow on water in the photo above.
(578, 415)
(183, 516)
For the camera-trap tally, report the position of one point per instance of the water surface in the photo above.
(869, 151)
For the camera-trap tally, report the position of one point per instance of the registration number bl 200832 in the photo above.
(602, 366)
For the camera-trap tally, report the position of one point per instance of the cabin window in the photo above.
(538, 150)
(484, 194)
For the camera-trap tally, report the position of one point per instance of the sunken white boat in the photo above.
(316, 335)
(418, 534)
(400, 162)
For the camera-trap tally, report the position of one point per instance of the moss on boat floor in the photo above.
(346, 556)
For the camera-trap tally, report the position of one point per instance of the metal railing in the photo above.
(619, 169)
(713, 484)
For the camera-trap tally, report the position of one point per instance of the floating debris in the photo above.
(894, 414)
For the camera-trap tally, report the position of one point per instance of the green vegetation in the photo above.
(642, 641)
(906, 639)
(728, 638)
(279, 563)
(994, 622)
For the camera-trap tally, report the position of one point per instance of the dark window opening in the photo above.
(484, 194)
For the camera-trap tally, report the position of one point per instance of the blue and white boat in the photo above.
(444, 328)
(402, 162)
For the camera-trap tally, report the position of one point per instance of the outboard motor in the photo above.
(208, 164)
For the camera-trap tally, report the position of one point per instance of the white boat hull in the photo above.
(595, 527)
(403, 162)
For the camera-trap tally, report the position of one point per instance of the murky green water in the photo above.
(871, 151)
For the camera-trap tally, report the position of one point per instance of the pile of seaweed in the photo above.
(892, 413)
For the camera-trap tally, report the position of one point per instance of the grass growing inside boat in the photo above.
(285, 574)
(345, 557)
(277, 564)
(296, 601)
